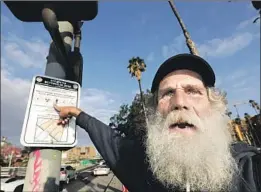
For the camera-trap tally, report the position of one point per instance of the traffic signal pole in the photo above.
(43, 169)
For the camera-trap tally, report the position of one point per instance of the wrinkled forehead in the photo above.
(181, 77)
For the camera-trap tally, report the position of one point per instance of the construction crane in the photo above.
(243, 135)
(252, 131)
(255, 106)
(239, 103)
(249, 134)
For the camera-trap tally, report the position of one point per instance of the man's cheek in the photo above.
(162, 108)
(203, 112)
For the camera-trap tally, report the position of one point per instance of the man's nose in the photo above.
(178, 100)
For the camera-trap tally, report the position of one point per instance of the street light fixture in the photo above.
(31, 11)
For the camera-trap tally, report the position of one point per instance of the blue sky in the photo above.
(223, 32)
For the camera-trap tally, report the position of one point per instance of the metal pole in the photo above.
(106, 188)
(237, 111)
(43, 169)
(10, 159)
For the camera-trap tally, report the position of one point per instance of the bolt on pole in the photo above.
(43, 169)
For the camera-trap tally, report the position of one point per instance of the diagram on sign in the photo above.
(41, 126)
(47, 129)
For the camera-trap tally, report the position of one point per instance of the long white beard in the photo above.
(202, 160)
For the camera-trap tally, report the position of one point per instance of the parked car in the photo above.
(14, 184)
(101, 170)
(67, 173)
(102, 162)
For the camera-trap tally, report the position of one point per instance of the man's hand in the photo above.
(66, 112)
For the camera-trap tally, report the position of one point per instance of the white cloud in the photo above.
(237, 75)
(151, 56)
(246, 23)
(217, 47)
(177, 46)
(14, 95)
(26, 53)
(241, 87)
(5, 20)
(239, 80)
(227, 46)
(100, 104)
(240, 84)
(222, 47)
(5, 66)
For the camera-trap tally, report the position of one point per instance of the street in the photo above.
(88, 183)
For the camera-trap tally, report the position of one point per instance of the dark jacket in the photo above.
(127, 159)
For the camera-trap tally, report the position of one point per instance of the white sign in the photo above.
(40, 128)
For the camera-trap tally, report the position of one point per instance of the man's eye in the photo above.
(168, 93)
(192, 91)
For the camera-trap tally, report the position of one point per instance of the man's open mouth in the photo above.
(181, 125)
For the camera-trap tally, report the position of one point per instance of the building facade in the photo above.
(79, 153)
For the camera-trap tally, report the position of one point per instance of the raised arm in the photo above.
(123, 156)
(105, 139)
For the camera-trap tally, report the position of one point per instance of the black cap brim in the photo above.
(185, 61)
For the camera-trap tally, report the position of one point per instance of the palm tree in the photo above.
(192, 48)
(136, 67)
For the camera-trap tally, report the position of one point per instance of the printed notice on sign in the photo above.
(40, 126)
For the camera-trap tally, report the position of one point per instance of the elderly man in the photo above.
(187, 146)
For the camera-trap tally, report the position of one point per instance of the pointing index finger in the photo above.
(57, 108)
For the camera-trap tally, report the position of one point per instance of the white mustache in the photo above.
(183, 116)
